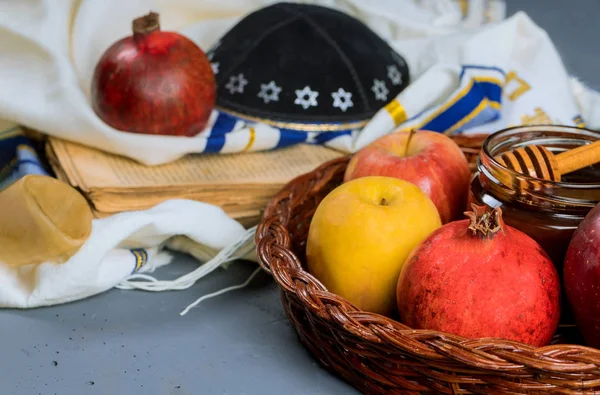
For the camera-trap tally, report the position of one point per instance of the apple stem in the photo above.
(383, 202)
(410, 136)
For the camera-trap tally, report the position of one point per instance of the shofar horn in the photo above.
(42, 219)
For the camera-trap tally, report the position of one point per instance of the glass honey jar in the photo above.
(547, 211)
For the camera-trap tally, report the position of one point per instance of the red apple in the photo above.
(430, 160)
(582, 277)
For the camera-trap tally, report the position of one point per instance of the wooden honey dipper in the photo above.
(538, 162)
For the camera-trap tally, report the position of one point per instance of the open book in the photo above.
(241, 184)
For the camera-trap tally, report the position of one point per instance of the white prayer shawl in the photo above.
(467, 77)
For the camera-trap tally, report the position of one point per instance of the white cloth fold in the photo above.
(120, 246)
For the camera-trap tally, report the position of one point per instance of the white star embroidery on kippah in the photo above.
(379, 89)
(269, 92)
(306, 97)
(342, 99)
(236, 83)
(394, 75)
(215, 67)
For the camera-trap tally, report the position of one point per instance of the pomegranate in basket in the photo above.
(480, 278)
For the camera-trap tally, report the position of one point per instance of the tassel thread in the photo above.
(235, 251)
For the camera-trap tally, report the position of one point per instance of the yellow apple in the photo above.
(361, 234)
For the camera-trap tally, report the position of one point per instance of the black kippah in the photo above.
(303, 63)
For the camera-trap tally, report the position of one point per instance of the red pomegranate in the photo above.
(480, 278)
(154, 82)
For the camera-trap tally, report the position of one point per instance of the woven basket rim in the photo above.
(491, 356)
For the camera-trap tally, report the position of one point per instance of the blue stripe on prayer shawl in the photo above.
(457, 111)
(492, 91)
(289, 137)
(463, 107)
(325, 137)
(215, 143)
(224, 124)
(8, 148)
(17, 157)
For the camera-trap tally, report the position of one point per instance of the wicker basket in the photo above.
(378, 355)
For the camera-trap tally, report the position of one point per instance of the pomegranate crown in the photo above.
(147, 23)
(485, 223)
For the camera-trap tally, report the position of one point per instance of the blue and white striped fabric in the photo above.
(476, 101)
(227, 133)
(473, 105)
(17, 157)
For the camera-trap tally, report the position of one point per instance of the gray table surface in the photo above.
(130, 342)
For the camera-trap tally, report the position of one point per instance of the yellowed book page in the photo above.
(62, 166)
(94, 169)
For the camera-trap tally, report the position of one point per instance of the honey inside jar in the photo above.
(547, 211)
